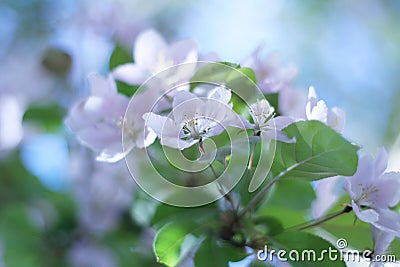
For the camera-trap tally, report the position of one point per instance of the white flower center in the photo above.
(261, 112)
(196, 127)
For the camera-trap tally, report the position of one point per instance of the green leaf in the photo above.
(173, 241)
(358, 235)
(258, 263)
(241, 73)
(319, 152)
(48, 115)
(292, 194)
(22, 247)
(212, 73)
(273, 99)
(394, 248)
(212, 253)
(230, 64)
(288, 217)
(303, 243)
(356, 232)
(129, 248)
(126, 89)
(119, 56)
(143, 208)
(166, 213)
(268, 225)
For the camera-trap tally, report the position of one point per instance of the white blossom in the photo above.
(193, 118)
(317, 110)
(263, 116)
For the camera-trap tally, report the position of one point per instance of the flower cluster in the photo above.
(180, 114)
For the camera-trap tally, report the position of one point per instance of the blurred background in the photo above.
(58, 207)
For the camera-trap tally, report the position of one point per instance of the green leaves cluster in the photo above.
(214, 236)
(225, 237)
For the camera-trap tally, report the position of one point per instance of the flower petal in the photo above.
(368, 215)
(389, 189)
(381, 160)
(148, 47)
(130, 73)
(362, 177)
(319, 112)
(221, 94)
(336, 119)
(281, 122)
(183, 51)
(279, 136)
(100, 86)
(389, 221)
(186, 106)
(382, 240)
(292, 103)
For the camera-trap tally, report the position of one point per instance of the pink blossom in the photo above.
(152, 55)
(97, 119)
(374, 192)
(194, 118)
(271, 77)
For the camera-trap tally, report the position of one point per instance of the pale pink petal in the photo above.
(389, 189)
(362, 178)
(281, 122)
(381, 160)
(389, 221)
(221, 94)
(292, 103)
(148, 46)
(336, 119)
(100, 86)
(187, 106)
(183, 51)
(279, 136)
(369, 215)
(381, 239)
(131, 73)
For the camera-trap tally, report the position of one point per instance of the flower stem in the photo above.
(262, 192)
(248, 170)
(213, 171)
(321, 220)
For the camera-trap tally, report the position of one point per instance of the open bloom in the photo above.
(382, 242)
(271, 77)
(317, 110)
(263, 116)
(374, 191)
(194, 118)
(152, 54)
(98, 120)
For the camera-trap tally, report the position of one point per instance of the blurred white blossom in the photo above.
(271, 77)
(88, 254)
(152, 55)
(317, 110)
